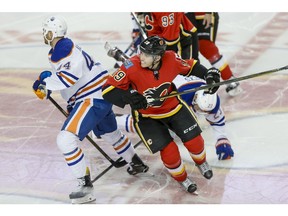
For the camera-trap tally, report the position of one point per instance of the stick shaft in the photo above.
(223, 83)
(139, 26)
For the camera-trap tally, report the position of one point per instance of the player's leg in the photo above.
(185, 125)
(68, 143)
(156, 137)
(108, 130)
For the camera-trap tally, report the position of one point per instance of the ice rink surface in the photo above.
(33, 170)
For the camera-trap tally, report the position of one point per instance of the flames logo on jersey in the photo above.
(156, 92)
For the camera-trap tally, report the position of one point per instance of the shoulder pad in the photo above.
(62, 49)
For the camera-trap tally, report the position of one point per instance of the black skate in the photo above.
(137, 166)
(84, 194)
(234, 88)
(205, 170)
(189, 185)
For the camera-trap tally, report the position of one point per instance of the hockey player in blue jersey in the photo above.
(79, 78)
(202, 104)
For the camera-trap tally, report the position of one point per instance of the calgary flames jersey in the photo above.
(152, 84)
(168, 25)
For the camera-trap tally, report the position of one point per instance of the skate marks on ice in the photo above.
(251, 145)
(154, 187)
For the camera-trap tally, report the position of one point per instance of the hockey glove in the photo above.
(136, 100)
(39, 86)
(117, 54)
(69, 108)
(224, 150)
(212, 76)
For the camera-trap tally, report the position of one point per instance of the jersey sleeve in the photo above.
(190, 67)
(116, 87)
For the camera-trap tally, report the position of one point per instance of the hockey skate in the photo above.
(234, 88)
(205, 170)
(189, 185)
(137, 166)
(84, 194)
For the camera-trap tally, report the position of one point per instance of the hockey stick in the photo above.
(127, 55)
(116, 164)
(139, 26)
(222, 83)
(109, 167)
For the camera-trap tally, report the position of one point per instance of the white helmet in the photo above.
(203, 102)
(55, 24)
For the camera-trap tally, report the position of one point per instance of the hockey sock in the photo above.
(171, 159)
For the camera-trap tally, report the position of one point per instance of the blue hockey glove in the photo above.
(212, 76)
(224, 150)
(39, 86)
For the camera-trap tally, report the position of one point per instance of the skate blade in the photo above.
(146, 174)
(195, 193)
(235, 92)
(87, 199)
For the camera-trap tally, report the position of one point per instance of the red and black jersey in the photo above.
(168, 25)
(131, 74)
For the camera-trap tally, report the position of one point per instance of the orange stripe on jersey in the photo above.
(92, 86)
(74, 123)
(66, 78)
(75, 156)
(123, 144)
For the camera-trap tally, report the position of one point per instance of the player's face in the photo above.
(146, 60)
(47, 36)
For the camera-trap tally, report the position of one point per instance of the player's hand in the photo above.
(224, 149)
(39, 86)
(69, 108)
(40, 89)
(136, 100)
(212, 76)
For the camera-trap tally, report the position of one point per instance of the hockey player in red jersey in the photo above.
(176, 29)
(149, 75)
(207, 27)
(208, 105)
